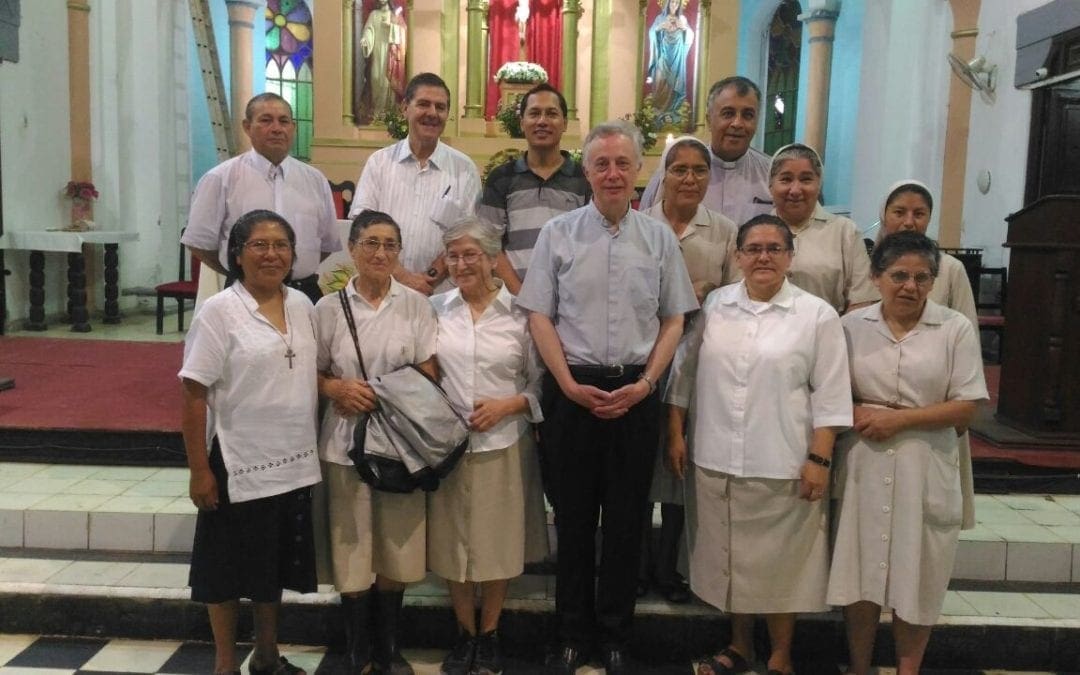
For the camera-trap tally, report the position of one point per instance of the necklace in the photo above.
(289, 353)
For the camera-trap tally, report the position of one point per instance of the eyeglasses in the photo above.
(370, 246)
(900, 278)
(772, 250)
(262, 247)
(469, 258)
(681, 172)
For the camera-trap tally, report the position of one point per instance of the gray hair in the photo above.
(486, 235)
(795, 151)
(614, 128)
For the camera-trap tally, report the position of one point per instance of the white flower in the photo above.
(521, 71)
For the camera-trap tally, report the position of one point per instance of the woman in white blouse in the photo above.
(764, 374)
(916, 373)
(371, 532)
(489, 511)
(249, 429)
(830, 257)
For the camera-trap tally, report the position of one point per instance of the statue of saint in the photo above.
(670, 40)
(382, 45)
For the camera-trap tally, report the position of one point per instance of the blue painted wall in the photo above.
(203, 153)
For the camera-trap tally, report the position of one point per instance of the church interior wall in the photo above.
(843, 97)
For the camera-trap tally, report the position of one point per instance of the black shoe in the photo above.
(565, 660)
(615, 661)
(488, 659)
(460, 659)
(676, 591)
(356, 612)
(282, 667)
(387, 655)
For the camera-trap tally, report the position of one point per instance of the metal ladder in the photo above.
(210, 65)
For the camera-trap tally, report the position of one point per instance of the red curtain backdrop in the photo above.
(543, 41)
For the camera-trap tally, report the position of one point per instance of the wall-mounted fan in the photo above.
(977, 74)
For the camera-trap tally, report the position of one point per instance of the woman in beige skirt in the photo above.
(764, 374)
(917, 377)
(489, 512)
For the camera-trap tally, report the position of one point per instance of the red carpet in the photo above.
(91, 385)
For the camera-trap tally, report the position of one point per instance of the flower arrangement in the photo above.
(498, 159)
(335, 280)
(521, 72)
(507, 116)
(645, 120)
(396, 124)
(81, 190)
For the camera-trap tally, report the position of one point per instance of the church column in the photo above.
(702, 83)
(954, 165)
(821, 23)
(78, 17)
(241, 24)
(571, 12)
(474, 59)
(347, 9)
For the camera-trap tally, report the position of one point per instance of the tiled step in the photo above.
(1019, 538)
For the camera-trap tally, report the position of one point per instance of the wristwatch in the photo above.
(432, 272)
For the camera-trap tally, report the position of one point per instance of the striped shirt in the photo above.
(519, 202)
(422, 201)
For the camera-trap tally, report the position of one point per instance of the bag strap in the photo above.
(346, 308)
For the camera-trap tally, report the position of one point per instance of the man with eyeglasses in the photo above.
(265, 177)
(424, 184)
(739, 180)
(606, 291)
(526, 192)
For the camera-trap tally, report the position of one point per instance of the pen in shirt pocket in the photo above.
(446, 191)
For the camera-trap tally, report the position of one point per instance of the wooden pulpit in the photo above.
(1040, 371)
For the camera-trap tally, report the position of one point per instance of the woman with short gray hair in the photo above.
(487, 517)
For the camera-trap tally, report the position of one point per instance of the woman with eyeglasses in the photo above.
(487, 517)
(372, 533)
(917, 377)
(830, 256)
(762, 378)
(249, 429)
(707, 241)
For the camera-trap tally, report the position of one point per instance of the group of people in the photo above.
(730, 349)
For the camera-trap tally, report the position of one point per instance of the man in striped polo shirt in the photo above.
(524, 193)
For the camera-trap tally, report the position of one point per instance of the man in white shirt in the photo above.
(739, 180)
(265, 177)
(424, 184)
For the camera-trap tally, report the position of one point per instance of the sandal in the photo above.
(739, 664)
(282, 667)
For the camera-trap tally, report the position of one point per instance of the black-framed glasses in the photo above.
(262, 247)
(900, 277)
(772, 250)
(370, 246)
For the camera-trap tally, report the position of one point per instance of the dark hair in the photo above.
(743, 86)
(425, 80)
(765, 219)
(693, 144)
(366, 219)
(899, 244)
(914, 188)
(543, 86)
(267, 97)
(241, 232)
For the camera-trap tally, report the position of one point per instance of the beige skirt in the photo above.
(349, 528)
(487, 517)
(755, 547)
(398, 542)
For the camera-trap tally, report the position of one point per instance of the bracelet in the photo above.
(652, 385)
(819, 460)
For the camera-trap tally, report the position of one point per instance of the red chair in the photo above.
(343, 195)
(181, 290)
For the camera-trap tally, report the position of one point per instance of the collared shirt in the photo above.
(761, 376)
(519, 202)
(707, 244)
(739, 189)
(831, 262)
(604, 289)
(424, 202)
(399, 332)
(938, 360)
(261, 405)
(489, 359)
(297, 192)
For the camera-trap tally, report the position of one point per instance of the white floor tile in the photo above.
(128, 504)
(68, 471)
(47, 486)
(70, 502)
(125, 472)
(174, 532)
(1014, 605)
(20, 469)
(97, 486)
(161, 488)
(132, 656)
(157, 575)
(1058, 605)
(121, 531)
(30, 570)
(11, 528)
(93, 573)
(55, 529)
(11, 645)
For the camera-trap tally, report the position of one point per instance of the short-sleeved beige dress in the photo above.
(899, 505)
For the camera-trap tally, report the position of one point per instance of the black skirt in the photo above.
(252, 549)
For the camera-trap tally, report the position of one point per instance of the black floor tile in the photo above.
(58, 652)
(196, 658)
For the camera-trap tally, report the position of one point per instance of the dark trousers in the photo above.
(598, 469)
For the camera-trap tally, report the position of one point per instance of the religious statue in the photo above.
(670, 40)
(521, 16)
(382, 47)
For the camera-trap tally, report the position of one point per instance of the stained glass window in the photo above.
(779, 111)
(288, 65)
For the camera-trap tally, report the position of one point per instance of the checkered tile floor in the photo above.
(40, 655)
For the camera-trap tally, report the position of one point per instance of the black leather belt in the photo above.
(608, 372)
